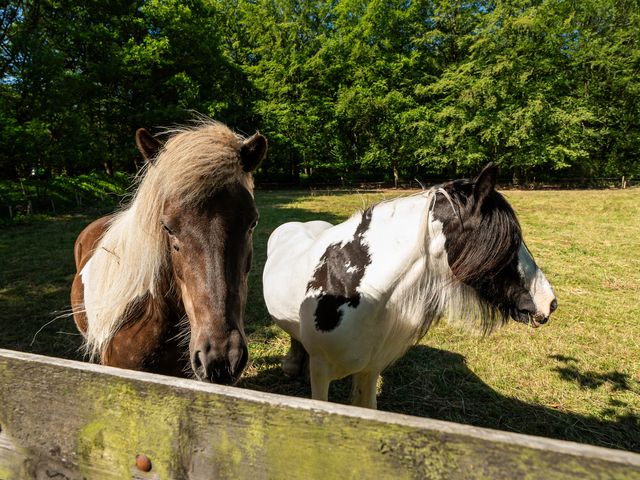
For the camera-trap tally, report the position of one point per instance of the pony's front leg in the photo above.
(320, 378)
(364, 389)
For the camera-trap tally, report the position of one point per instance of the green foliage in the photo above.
(44, 196)
(83, 76)
(399, 88)
(517, 96)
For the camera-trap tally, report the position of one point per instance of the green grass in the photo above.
(576, 378)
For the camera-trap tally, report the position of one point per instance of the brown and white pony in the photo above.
(172, 266)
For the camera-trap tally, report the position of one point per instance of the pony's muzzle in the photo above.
(545, 318)
(527, 311)
(220, 361)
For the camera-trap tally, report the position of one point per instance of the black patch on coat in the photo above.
(338, 286)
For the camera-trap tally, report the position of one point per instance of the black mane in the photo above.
(482, 241)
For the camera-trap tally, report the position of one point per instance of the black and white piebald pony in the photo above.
(357, 295)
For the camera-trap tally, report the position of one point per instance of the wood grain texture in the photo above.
(65, 419)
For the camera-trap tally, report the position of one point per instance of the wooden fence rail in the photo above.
(64, 419)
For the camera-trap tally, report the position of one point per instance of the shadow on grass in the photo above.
(36, 270)
(592, 380)
(433, 383)
(275, 210)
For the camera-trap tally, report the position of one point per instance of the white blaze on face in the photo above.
(535, 282)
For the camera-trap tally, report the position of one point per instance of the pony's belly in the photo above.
(351, 345)
(367, 336)
(369, 342)
(375, 333)
(292, 327)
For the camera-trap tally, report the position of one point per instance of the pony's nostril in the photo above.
(219, 372)
(553, 306)
(237, 353)
(238, 359)
(196, 360)
(199, 364)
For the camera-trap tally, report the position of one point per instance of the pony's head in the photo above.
(206, 216)
(485, 251)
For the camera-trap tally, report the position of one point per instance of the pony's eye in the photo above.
(253, 225)
(166, 229)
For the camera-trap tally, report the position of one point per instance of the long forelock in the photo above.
(491, 245)
(197, 161)
(132, 255)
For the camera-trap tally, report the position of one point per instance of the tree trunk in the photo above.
(295, 169)
(108, 167)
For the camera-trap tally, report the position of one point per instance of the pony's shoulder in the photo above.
(293, 233)
(88, 239)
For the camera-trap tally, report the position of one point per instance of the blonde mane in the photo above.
(129, 261)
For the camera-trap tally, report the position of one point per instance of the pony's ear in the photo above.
(485, 183)
(147, 144)
(253, 151)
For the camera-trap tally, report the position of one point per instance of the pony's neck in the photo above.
(413, 278)
(397, 239)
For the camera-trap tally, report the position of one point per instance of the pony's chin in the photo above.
(222, 380)
(534, 320)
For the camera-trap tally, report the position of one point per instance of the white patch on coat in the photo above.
(85, 276)
(384, 323)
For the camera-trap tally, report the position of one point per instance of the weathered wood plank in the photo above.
(76, 420)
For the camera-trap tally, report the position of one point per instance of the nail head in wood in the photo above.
(143, 463)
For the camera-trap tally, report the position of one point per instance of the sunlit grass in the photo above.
(576, 378)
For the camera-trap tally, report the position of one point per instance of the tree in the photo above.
(348, 88)
(90, 73)
(517, 96)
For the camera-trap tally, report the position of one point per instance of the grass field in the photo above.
(576, 378)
